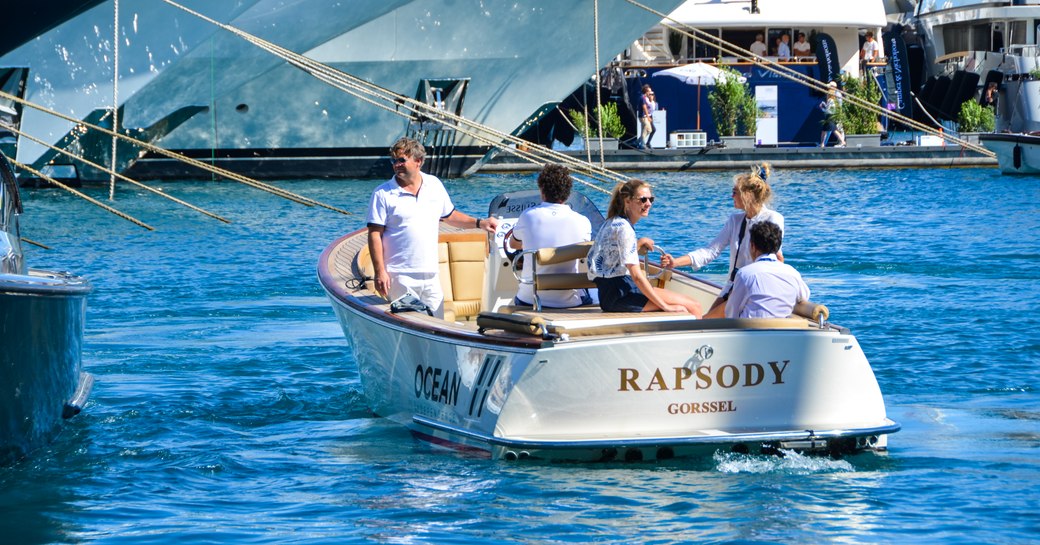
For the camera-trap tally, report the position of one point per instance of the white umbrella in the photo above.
(698, 74)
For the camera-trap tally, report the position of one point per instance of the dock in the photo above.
(721, 158)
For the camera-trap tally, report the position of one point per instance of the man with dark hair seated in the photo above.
(766, 288)
(549, 225)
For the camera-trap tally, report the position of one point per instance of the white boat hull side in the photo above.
(1016, 153)
(41, 336)
(573, 399)
(763, 381)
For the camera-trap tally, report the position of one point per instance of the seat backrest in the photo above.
(463, 259)
(551, 256)
(560, 281)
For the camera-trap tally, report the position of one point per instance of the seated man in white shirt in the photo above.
(551, 224)
(766, 288)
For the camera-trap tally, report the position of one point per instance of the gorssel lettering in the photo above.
(702, 407)
(725, 376)
(436, 384)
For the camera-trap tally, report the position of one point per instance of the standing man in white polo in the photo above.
(403, 218)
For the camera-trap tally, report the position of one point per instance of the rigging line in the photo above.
(115, 98)
(340, 79)
(115, 175)
(82, 195)
(596, 77)
(353, 86)
(791, 74)
(178, 157)
(37, 244)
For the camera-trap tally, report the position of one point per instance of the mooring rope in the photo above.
(393, 102)
(82, 195)
(115, 175)
(285, 194)
(791, 74)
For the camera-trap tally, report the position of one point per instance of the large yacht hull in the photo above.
(41, 379)
(498, 63)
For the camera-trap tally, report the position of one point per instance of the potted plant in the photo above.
(734, 110)
(975, 118)
(613, 128)
(859, 123)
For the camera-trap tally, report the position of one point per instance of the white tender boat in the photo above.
(581, 384)
(41, 334)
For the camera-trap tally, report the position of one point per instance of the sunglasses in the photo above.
(645, 200)
(398, 160)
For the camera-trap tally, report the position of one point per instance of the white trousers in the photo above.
(425, 286)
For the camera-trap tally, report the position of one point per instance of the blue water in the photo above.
(227, 407)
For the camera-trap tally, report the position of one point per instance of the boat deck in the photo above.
(346, 271)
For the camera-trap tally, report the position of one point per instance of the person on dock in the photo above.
(766, 287)
(751, 196)
(783, 51)
(871, 50)
(801, 47)
(990, 95)
(758, 47)
(614, 258)
(646, 115)
(551, 224)
(403, 218)
(830, 106)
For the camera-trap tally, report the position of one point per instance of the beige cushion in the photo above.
(444, 271)
(462, 273)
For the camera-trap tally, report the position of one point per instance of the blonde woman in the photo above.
(614, 258)
(751, 196)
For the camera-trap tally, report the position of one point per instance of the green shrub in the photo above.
(733, 107)
(975, 117)
(856, 119)
(612, 125)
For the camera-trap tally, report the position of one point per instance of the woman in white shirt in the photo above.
(614, 258)
(751, 195)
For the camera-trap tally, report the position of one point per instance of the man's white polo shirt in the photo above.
(411, 223)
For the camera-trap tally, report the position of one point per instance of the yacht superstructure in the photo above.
(193, 87)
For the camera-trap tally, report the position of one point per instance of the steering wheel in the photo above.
(646, 263)
(510, 253)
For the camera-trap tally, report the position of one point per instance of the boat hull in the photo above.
(41, 378)
(1016, 153)
(263, 116)
(631, 387)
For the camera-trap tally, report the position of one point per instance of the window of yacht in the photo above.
(702, 50)
(956, 38)
(742, 37)
(980, 37)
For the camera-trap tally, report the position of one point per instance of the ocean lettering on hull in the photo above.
(436, 384)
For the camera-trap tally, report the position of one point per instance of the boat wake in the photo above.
(788, 461)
